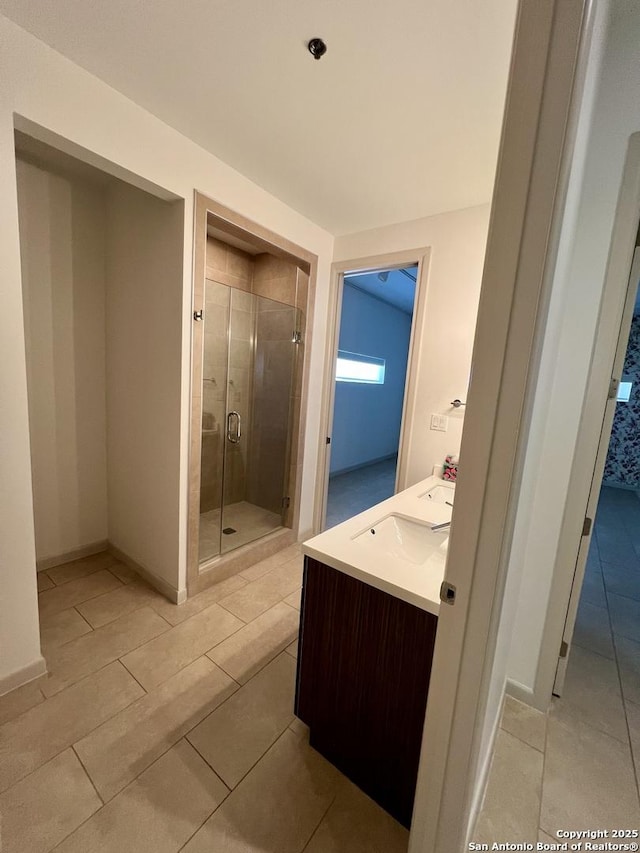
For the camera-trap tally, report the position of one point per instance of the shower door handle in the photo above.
(234, 436)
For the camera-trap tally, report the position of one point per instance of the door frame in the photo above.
(587, 469)
(235, 225)
(373, 263)
(536, 149)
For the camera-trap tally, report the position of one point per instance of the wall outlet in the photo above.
(439, 422)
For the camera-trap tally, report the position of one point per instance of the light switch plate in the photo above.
(439, 422)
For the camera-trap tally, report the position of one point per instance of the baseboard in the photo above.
(524, 694)
(351, 468)
(76, 554)
(175, 596)
(23, 676)
(483, 777)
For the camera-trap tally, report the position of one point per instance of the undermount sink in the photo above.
(402, 538)
(439, 495)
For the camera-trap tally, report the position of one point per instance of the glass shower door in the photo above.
(214, 415)
(258, 417)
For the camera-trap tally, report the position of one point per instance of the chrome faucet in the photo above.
(444, 526)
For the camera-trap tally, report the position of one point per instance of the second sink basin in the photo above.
(402, 538)
(440, 494)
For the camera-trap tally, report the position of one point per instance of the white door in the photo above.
(609, 407)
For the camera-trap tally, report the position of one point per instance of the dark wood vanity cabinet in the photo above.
(364, 664)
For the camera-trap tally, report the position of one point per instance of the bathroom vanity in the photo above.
(369, 615)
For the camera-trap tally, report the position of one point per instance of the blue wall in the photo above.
(366, 420)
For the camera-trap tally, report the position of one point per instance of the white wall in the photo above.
(62, 253)
(40, 87)
(366, 418)
(144, 245)
(457, 241)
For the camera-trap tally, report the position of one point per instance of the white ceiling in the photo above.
(400, 119)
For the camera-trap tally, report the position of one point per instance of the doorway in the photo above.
(603, 616)
(376, 316)
(377, 310)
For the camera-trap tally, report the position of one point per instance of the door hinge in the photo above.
(586, 527)
(564, 648)
(198, 315)
(613, 388)
(297, 337)
(328, 440)
(447, 592)
(286, 502)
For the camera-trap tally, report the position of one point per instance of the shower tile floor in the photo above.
(167, 728)
(358, 490)
(248, 520)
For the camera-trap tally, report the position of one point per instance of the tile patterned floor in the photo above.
(161, 728)
(358, 490)
(579, 768)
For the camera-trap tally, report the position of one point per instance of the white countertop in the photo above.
(416, 583)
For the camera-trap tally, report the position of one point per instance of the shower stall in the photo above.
(250, 347)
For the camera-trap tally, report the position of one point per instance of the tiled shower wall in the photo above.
(622, 467)
(280, 280)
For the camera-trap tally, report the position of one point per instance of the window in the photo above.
(353, 367)
(624, 392)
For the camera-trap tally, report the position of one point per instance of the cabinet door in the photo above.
(363, 678)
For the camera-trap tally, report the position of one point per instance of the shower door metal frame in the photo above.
(238, 228)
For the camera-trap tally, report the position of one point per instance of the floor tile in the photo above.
(299, 728)
(121, 748)
(588, 780)
(251, 573)
(105, 608)
(59, 628)
(593, 630)
(591, 694)
(176, 613)
(524, 722)
(73, 661)
(75, 592)
(123, 572)
(20, 700)
(252, 647)
(628, 656)
(293, 649)
(45, 730)
(622, 580)
(355, 491)
(80, 568)
(615, 546)
(293, 600)
(276, 807)
(238, 733)
(543, 838)
(593, 588)
(625, 616)
(512, 801)
(44, 808)
(44, 581)
(355, 824)
(259, 595)
(161, 658)
(156, 813)
(633, 717)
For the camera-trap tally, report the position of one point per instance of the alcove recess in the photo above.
(247, 258)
